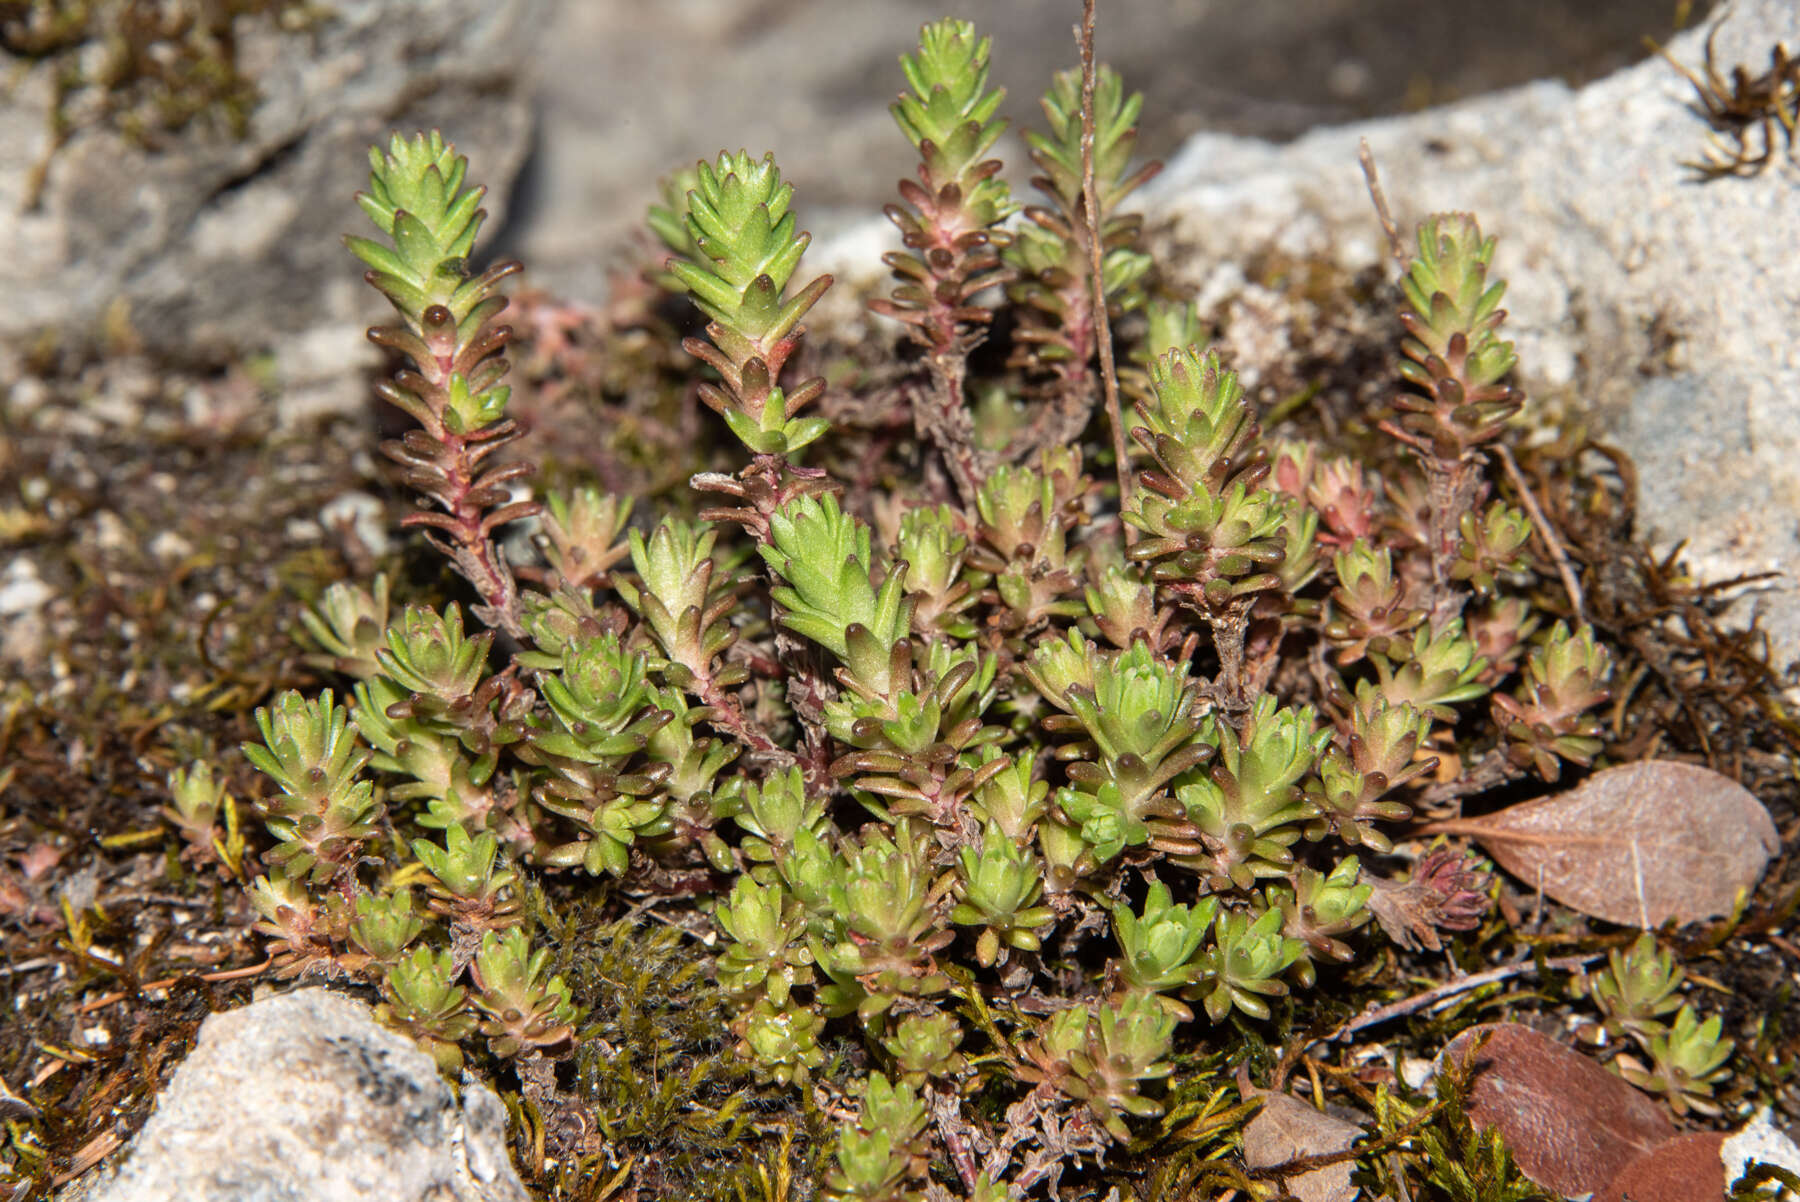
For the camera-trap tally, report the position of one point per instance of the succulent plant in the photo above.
(1049, 254)
(421, 998)
(385, 925)
(739, 221)
(924, 1047)
(1161, 947)
(1104, 1058)
(767, 955)
(205, 814)
(973, 781)
(525, 1008)
(997, 886)
(430, 221)
(1637, 989)
(1548, 717)
(1246, 964)
(325, 810)
(349, 625)
(951, 228)
(1686, 1060)
(465, 878)
(1635, 993)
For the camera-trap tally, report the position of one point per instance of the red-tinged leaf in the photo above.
(39, 859)
(13, 899)
(1638, 845)
(1448, 891)
(1686, 1169)
(1570, 1125)
(1288, 1129)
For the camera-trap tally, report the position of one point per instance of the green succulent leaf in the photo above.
(417, 200)
(952, 109)
(830, 595)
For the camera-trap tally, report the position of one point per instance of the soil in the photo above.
(180, 535)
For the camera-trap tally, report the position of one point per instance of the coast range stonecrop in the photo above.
(952, 231)
(453, 387)
(1006, 806)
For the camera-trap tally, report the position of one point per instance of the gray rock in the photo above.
(811, 80)
(303, 1097)
(219, 246)
(1659, 306)
(1613, 250)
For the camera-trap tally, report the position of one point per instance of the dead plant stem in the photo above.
(1090, 197)
(1377, 1015)
(1552, 542)
(1396, 244)
(229, 974)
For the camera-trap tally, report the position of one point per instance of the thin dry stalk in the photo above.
(1396, 244)
(1090, 195)
(1559, 555)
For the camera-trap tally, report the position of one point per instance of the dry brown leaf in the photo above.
(1571, 1125)
(1288, 1129)
(1638, 845)
(39, 859)
(1686, 1169)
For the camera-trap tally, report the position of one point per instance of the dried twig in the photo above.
(229, 974)
(32, 965)
(1396, 244)
(1376, 1015)
(13, 1106)
(1090, 195)
(1552, 541)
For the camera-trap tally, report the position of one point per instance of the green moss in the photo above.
(655, 1069)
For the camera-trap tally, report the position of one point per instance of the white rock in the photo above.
(169, 547)
(364, 517)
(1418, 1073)
(303, 1095)
(1761, 1141)
(26, 396)
(110, 532)
(1608, 245)
(22, 590)
(215, 245)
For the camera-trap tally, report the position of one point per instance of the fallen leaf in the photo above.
(1571, 1125)
(1288, 1129)
(12, 898)
(39, 859)
(1638, 845)
(1686, 1169)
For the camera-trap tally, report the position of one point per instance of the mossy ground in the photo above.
(177, 527)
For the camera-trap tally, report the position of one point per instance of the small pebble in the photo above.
(170, 547)
(363, 515)
(22, 591)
